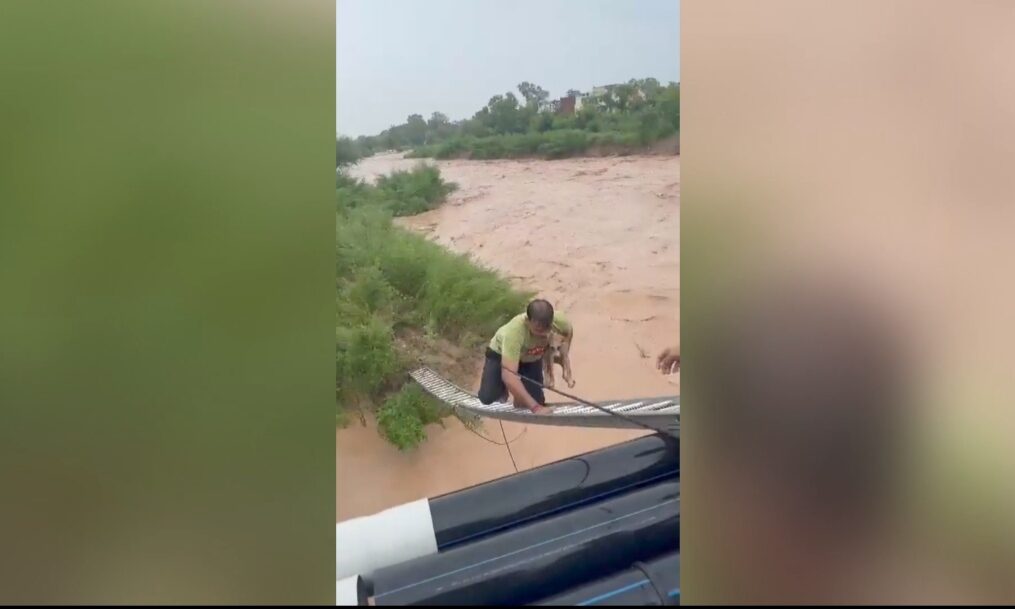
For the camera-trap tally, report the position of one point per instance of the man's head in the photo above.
(539, 317)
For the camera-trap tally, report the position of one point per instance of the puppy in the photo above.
(558, 352)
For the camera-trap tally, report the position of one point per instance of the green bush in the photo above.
(400, 426)
(453, 148)
(552, 144)
(347, 152)
(627, 134)
(565, 122)
(621, 141)
(365, 357)
(355, 227)
(370, 291)
(542, 122)
(402, 193)
(403, 418)
(344, 180)
(411, 192)
(404, 264)
(490, 147)
(561, 144)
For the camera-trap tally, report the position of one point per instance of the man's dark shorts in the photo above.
(492, 387)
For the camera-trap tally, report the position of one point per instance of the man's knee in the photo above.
(488, 395)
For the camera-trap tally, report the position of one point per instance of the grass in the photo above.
(390, 281)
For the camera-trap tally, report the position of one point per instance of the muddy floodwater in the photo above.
(600, 239)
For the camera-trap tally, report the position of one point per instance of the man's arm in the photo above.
(516, 387)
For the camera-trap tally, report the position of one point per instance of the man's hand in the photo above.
(516, 388)
(537, 409)
(669, 360)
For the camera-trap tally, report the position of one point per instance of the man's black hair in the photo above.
(540, 312)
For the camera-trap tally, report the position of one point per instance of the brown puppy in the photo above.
(557, 353)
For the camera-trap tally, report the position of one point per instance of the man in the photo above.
(518, 347)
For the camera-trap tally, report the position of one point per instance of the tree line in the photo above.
(643, 110)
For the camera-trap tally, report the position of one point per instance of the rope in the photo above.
(506, 442)
(515, 439)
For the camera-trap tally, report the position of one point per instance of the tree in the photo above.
(366, 145)
(503, 115)
(476, 126)
(575, 93)
(541, 122)
(650, 87)
(437, 120)
(438, 127)
(648, 126)
(346, 152)
(610, 101)
(669, 104)
(534, 95)
(624, 96)
(415, 130)
(588, 115)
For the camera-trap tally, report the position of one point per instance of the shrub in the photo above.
(403, 417)
(365, 357)
(415, 191)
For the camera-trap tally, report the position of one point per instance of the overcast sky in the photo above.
(402, 57)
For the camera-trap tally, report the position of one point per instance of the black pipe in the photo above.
(495, 506)
(543, 558)
(654, 583)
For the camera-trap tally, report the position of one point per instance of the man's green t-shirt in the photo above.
(513, 341)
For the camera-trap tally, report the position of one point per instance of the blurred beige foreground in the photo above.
(850, 229)
(166, 279)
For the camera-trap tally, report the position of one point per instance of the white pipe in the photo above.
(347, 591)
(398, 534)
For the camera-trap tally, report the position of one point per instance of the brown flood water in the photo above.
(600, 239)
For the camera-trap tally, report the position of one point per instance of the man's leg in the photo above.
(491, 387)
(534, 371)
